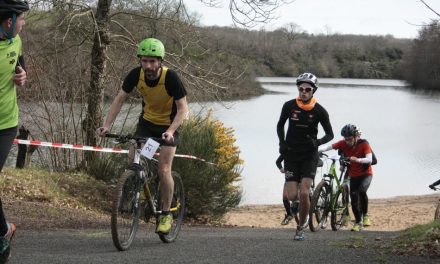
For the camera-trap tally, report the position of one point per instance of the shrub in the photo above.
(211, 190)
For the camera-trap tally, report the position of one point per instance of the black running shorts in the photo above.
(301, 169)
(148, 129)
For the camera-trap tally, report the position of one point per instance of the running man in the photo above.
(12, 74)
(299, 146)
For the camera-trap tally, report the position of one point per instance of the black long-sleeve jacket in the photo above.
(302, 131)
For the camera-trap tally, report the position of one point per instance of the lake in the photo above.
(402, 127)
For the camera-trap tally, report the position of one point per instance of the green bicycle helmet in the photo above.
(151, 47)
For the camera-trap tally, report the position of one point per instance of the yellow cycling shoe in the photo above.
(165, 222)
(356, 227)
(366, 221)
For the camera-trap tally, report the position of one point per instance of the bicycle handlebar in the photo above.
(342, 159)
(433, 185)
(125, 138)
(321, 154)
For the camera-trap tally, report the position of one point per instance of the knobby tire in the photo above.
(126, 210)
(319, 207)
(340, 208)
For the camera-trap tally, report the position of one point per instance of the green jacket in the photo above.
(9, 54)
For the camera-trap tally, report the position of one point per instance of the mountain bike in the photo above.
(437, 209)
(137, 196)
(331, 196)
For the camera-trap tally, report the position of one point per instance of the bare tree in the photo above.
(243, 12)
(422, 67)
(80, 52)
(95, 98)
(249, 13)
(292, 31)
(430, 8)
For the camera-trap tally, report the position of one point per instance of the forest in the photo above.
(216, 63)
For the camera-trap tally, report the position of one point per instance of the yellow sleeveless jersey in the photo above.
(157, 103)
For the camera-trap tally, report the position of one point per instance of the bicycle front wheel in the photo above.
(319, 207)
(177, 210)
(340, 208)
(126, 210)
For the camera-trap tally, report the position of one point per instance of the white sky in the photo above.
(400, 18)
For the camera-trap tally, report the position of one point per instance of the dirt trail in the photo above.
(386, 214)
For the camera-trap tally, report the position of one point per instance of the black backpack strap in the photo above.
(361, 140)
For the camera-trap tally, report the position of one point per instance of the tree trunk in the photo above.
(95, 95)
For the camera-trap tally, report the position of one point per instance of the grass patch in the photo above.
(359, 241)
(421, 240)
(67, 189)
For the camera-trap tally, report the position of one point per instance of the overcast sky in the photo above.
(399, 18)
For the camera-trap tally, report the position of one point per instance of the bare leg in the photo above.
(286, 202)
(292, 190)
(166, 179)
(304, 200)
(285, 197)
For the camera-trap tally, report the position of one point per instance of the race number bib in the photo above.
(149, 148)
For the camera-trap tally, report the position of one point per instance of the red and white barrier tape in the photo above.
(90, 148)
(189, 157)
(68, 146)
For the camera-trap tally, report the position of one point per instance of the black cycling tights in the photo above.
(359, 197)
(6, 139)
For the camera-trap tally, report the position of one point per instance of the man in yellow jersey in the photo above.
(12, 74)
(164, 108)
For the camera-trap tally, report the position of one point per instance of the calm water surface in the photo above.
(402, 127)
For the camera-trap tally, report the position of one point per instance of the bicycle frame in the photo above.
(137, 195)
(146, 171)
(333, 178)
(141, 165)
(328, 194)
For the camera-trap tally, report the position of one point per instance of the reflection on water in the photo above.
(402, 128)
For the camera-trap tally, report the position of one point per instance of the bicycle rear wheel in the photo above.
(126, 210)
(340, 208)
(319, 207)
(177, 210)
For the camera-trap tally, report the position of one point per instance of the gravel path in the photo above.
(206, 245)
